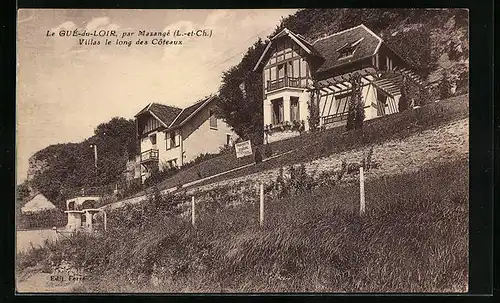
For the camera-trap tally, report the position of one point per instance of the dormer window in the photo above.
(348, 49)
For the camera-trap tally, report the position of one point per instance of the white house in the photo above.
(291, 65)
(170, 136)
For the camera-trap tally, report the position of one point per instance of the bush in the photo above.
(320, 246)
(313, 111)
(356, 111)
(404, 100)
(132, 188)
(258, 156)
(444, 87)
(268, 152)
(42, 219)
(159, 175)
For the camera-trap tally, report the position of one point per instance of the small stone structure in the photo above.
(82, 213)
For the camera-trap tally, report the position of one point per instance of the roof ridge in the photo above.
(173, 106)
(202, 101)
(380, 40)
(338, 33)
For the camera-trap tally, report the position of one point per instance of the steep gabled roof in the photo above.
(366, 44)
(329, 46)
(164, 113)
(190, 111)
(298, 39)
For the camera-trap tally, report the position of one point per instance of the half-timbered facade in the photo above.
(170, 136)
(298, 74)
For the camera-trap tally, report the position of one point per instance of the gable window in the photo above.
(348, 49)
(213, 120)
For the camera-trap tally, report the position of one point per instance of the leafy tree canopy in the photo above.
(70, 166)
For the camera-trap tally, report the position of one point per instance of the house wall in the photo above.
(168, 152)
(146, 143)
(286, 93)
(369, 94)
(199, 137)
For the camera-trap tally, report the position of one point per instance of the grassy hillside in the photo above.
(413, 238)
(311, 146)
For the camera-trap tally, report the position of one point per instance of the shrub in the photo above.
(258, 156)
(132, 188)
(43, 219)
(268, 152)
(444, 87)
(313, 110)
(159, 175)
(424, 96)
(404, 100)
(356, 111)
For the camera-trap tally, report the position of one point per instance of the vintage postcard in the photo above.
(242, 151)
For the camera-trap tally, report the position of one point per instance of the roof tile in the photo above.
(328, 46)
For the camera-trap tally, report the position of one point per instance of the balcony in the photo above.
(149, 156)
(283, 82)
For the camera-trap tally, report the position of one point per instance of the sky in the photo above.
(64, 89)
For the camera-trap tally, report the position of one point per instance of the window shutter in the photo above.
(167, 138)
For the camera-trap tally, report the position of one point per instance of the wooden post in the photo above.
(261, 217)
(105, 221)
(55, 233)
(193, 212)
(361, 191)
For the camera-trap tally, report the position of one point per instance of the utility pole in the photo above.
(95, 153)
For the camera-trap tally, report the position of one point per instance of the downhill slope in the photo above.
(412, 238)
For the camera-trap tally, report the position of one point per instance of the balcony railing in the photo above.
(334, 118)
(149, 155)
(283, 82)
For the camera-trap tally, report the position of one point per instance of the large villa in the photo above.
(290, 63)
(296, 74)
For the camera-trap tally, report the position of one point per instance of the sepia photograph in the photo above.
(242, 151)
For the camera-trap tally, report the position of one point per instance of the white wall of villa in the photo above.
(203, 135)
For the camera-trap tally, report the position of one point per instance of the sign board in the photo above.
(243, 149)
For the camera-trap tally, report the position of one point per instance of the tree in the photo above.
(312, 107)
(424, 96)
(404, 99)
(356, 111)
(444, 87)
(240, 96)
(70, 166)
(22, 192)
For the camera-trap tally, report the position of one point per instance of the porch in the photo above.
(380, 92)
